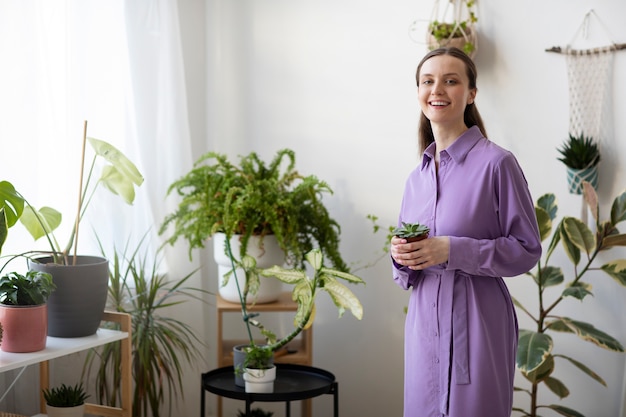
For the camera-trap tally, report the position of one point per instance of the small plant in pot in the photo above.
(255, 206)
(581, 156)
(76, 308)
(65, 400)
(412, 232)
(23, 306)
(304, 292)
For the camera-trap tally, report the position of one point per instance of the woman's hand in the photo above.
(422, 254)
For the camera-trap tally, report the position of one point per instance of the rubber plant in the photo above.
(161, 344)
(536, 356)
(120, 177)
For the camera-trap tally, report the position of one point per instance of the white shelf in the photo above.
(56, 347)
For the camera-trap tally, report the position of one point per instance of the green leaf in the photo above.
(50, 218)
(589, 333)
(342, 275)
(12, 202)
(4, 228)
(556, 387)
(564, 411)
(288, 276)
(617, 270)
(343, 297)
(115, 182)
(583, 368)
(122, 164)
(551, 276)
(533, 349)
(614, 240)
(544, 222)
(542, 372)
(315, 258)
(618, 209)
(579, 290)
(548, 203)
(571, 249)
(579, 234)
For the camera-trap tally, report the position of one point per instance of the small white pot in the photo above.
(260, 380)
(78, 411)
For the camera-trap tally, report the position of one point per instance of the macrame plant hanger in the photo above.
(589, 75)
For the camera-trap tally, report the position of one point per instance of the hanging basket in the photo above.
(575, 178)
(463, 38)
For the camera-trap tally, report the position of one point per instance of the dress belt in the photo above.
(454, 337)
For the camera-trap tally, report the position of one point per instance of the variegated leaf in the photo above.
(564, 411)
(618, 209)
(589, 333)
(583, 368)
(617, 270)
(556, 387)
(343, 275)
(533, 349)
(579, 234)
(343, 298)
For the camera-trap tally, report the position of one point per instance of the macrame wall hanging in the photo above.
(589, 74)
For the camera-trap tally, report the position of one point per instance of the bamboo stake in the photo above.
(80, 192)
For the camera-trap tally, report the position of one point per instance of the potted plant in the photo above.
(412, 232)
(255, 206)
(65, 401)
(581, 156)
(23, 311)
(160, 344)
(536, 356)
(258, 357)
(76, 308)
(459, 31)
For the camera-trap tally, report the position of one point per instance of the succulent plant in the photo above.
(411, 230)
(579, 152)
(65, 396)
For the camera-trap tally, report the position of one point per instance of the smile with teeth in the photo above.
(438, 103)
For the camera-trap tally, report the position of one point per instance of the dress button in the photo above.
(437, 360)
(434, 305)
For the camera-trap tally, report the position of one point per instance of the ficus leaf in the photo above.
(617, 270)
(533, 349)
(556, 387)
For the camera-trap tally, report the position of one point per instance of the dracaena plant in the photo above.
(537, 357)
(120, 176)
(304, 291)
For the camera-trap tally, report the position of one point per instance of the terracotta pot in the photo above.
(25, 328)
(417, 238)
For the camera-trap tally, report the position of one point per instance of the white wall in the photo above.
(334, 80)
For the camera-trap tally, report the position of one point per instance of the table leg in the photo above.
(336, 399)
(248, 408)
(202, 399)
(287, 409)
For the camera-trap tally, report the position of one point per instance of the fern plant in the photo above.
(254, 198)
(536, 358)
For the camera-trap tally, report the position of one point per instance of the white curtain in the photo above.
(117, 64)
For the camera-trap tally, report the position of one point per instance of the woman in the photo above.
(461, 328)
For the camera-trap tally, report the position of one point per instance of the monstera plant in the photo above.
(536, 356)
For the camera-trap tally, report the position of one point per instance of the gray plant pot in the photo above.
(76, 307)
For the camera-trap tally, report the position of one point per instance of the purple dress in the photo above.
(461, 328)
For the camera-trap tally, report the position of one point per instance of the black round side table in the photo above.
(293, 383)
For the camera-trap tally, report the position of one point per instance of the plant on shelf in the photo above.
(411, 231)
(68, 318)
(65, 400)
(536, 358)
(253, 199)
(256, 412)
(304, 292)
(581, 156)
(160, 343)
(459, 31)
(23, 306)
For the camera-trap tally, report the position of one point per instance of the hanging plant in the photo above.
(454, 26)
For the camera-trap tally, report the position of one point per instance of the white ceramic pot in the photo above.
(78, 411)
(271, 254)
(260, 380)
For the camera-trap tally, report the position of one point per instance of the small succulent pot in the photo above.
(416, 238)
(412, 232)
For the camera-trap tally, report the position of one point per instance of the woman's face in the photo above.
(443, 90)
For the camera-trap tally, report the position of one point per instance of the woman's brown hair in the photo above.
(471, 115)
